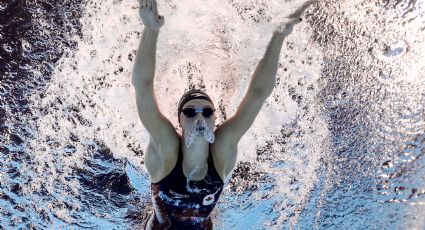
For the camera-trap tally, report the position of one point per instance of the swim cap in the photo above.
(192, 95)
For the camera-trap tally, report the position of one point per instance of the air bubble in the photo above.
(26, 46)
(7, 48)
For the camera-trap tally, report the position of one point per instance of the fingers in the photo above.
(155, 7)
(300, 10)
(150, 4)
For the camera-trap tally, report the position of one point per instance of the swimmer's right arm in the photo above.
(144, 68)
(161, 131)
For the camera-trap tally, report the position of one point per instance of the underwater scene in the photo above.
(339, 144)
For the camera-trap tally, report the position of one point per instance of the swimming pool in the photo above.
(339, 144)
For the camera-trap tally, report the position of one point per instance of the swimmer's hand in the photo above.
(286, 27)
(148, 12)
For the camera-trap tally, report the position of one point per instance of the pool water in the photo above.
(339, 144)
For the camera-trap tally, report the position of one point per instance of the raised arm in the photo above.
(161, 131)
(261, 86)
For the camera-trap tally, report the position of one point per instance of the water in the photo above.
(339, 144)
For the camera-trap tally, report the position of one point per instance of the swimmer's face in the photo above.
(188, 122)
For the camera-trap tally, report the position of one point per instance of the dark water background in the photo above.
(372, 177)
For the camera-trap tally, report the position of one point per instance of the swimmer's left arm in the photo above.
(261, 86)
(228, 134)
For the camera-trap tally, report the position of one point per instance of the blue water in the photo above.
(339, 144)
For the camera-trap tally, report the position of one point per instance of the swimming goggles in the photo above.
(191, 112)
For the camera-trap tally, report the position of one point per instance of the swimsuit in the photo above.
(182, 204)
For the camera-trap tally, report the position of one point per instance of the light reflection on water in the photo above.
(339, 144)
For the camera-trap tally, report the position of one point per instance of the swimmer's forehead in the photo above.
(198, 103)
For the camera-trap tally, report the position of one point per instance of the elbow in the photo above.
(265, 89)
(138, 81)
(262, 93)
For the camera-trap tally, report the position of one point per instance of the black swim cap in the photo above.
(192, 95)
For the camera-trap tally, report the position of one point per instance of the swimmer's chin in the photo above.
(199, 134)
(199, 137)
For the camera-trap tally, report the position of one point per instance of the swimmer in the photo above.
(188, 171)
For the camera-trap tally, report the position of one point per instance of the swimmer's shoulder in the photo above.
(160, 164)
(224, 154)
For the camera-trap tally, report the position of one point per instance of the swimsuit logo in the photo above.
(178, 195)
(209, 199)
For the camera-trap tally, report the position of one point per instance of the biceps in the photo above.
(249, 109)
(245, 117)
(147, 107)
(158, 126)
(234, 128)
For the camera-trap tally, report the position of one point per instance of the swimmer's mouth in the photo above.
(200, 129)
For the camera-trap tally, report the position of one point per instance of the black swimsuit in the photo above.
(182, 204)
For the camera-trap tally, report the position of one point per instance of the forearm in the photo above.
(274, 47)
(144, 66)
(264, 77)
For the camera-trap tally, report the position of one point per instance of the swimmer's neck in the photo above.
(195, 158)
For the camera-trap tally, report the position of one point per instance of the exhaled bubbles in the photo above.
(199, 129)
